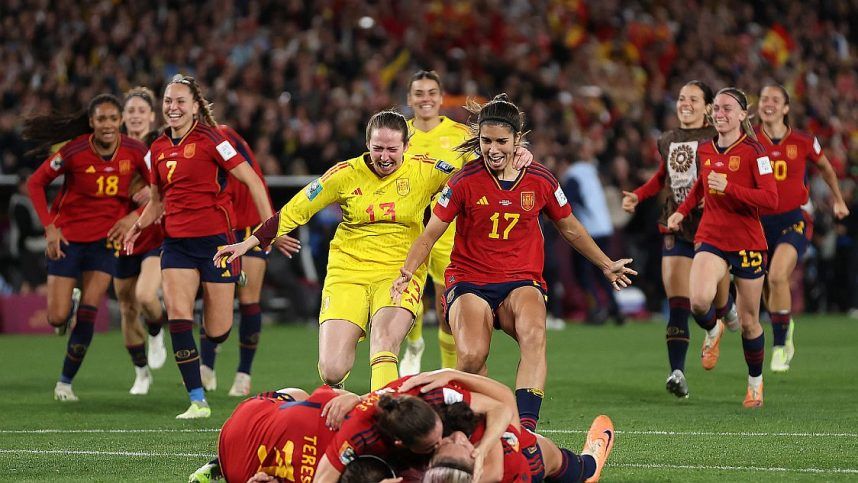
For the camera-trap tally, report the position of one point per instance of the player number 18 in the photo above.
(107, 186)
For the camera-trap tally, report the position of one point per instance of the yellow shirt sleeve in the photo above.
(314, 197)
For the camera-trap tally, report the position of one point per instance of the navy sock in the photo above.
(706, 321)
(529, 400)
(79, 340)
(722, 311)
(154, 326)
(780, 325)
(677, 332)
(207, 349)
(138, 354)
(573, 468)
(187, 357)
(248, 335)
(754, 354)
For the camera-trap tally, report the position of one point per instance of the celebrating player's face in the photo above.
(137, 115)
(456, 446)
(773, 106)
(690, 106)
(727, 113)
(179, 107)
(105, 122)
(386, 149)
(425, 98)
(431, 442)
(497, 143)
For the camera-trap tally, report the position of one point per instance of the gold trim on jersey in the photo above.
(497, 181)
(718, 150)
(769, 138)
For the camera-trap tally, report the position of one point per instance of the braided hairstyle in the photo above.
(206, 114)
(47, 130)
(497, 112)
(742, 99)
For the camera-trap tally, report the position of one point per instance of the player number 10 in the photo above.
(511, 217)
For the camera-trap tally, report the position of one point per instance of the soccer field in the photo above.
(807, 430)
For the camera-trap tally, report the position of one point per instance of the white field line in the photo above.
(546, 431)
(73, 431)
(773, 469)
(107, 453)
(653, 466)
(710, 433)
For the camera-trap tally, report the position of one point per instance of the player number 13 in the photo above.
(512, 218)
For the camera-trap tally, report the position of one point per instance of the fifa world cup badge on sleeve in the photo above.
(561, 196)
(347, 453)
(57, 162)
(764, 165)
(445, 167)
(444, 199)
(226, 150)
(313, 190)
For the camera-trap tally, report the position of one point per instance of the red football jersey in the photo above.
(192, 176)
(94, 194)
(277, 437)
(498, 236)
(358, 435)
(731, 220)
(789, 164)
(245, 211)
(514, 443)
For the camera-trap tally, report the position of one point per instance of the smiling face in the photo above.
(386, 149)
(773, 107)
(497, 144)
(691, 107)
(727, 114)
(105, 122)
(425, 98)
(138, 117)
(179, 108)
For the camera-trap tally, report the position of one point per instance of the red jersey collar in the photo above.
(730, 147)
(95, 150)
(497, 181)
(769, 138)
(167, 133)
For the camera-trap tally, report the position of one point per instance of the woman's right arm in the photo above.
(652, 187)
(417, 255)
(49, 170)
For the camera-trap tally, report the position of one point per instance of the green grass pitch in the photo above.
(807, 430)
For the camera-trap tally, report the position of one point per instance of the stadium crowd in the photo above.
(596, 79)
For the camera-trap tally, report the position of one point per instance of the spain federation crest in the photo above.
(735, 162)
(792, 151)
(124, 166)
(528, 199)
(190, 149)
(403, 187)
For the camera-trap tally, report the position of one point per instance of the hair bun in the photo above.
(388, 402)
(501, 97)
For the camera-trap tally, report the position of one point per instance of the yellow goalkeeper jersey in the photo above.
(381, 216)
(440, 143)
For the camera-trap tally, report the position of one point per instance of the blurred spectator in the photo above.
(27, 239)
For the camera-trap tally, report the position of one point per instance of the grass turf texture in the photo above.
(807, 430)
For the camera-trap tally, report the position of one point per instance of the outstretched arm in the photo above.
(830, 177)
(576, 236)
(417, 255)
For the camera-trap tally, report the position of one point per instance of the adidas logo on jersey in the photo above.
(483, 201)
(357, 192)
(90, 169)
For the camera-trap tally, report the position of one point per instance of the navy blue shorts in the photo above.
(197, 254)
(129, 265)
(674, 246)
(256, 252)
(97, 256)
(493, 293)
(788, 227)
(749, 264)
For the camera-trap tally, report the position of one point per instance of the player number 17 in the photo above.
(512, 218)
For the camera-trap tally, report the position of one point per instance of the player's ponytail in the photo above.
(206, 113)
(742, 99)
(404, 418)
(47, 130)
(497, 112)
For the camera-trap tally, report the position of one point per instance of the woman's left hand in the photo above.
(717, 181)
(429, 380)
(618, 273)
(336, 409)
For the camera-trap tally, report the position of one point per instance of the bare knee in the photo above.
(778, 281)
(333, 372)
(700, 305)
(471, 360)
